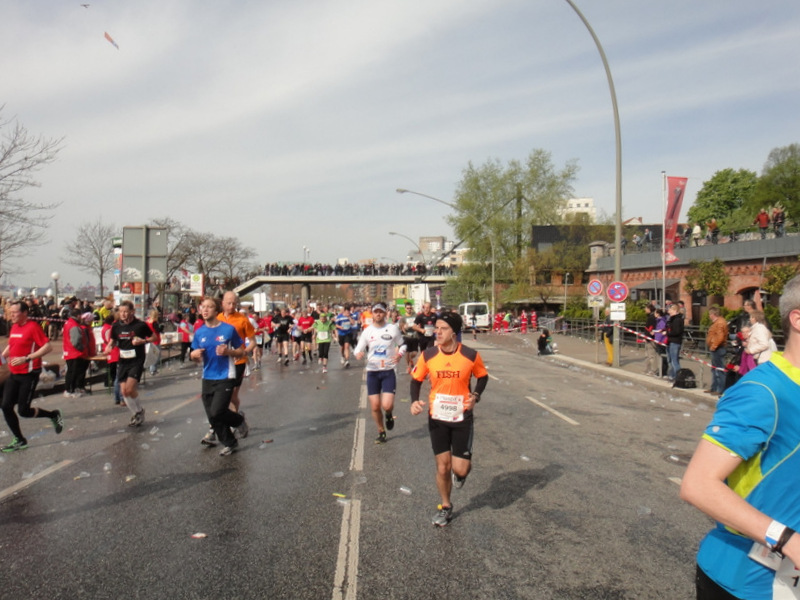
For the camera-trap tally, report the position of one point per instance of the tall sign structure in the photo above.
(144, 261)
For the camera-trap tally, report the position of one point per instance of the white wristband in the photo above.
(774, 532)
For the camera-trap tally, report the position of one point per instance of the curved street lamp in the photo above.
(421, 253)
(481, 223)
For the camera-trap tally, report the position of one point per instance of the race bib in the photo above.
(448, 408)
(429, 330)
(259, 339)
(127, 354)
(785, 586)
(322, 336)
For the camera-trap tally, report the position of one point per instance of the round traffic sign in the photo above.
(617, 291)
(595, 287)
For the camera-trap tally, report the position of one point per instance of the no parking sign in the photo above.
(617, 292)
(595, 287)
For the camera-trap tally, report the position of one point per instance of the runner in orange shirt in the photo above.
(450, 366)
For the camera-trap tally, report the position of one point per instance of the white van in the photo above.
(478, 310)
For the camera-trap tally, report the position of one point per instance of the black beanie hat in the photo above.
(453, 320)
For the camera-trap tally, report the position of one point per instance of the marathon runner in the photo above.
(384, 345)
(450, 366)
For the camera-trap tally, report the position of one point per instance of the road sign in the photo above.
(595, 287)
(593, 301)
(617, 311)
(617, 292)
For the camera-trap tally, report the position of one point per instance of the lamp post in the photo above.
(421, 253)
(618, 144)
(55, 276)
(566, 279)
(306, 254)
(453, 206)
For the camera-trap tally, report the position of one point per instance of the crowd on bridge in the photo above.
(357, 269)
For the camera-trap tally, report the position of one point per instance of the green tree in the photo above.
(780, 181)
(724, 195)
(708, 277)
(776, 277)
(498, 204)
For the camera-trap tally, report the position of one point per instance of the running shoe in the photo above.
(280, 358)
(16, 444)
(442, 516)
(389, 420)
(458, 482)
(209, 439)
(304, 360)
(139, 418)
(286, 362)
(58, 421)
(228, 450)
(341, 360)
(381, 439)
(347, 364)
(243, 429)
(324, 369)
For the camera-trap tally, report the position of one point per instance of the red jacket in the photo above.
(76, 344)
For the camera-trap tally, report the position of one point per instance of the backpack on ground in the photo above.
(684, 378)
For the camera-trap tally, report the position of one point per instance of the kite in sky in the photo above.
(110, 39)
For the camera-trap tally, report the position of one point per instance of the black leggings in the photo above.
(19, 390)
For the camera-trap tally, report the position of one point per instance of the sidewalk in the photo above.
(592, 355)
(54, 361)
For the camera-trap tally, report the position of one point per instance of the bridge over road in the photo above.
(306, 281)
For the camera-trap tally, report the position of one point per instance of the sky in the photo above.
(291, 124)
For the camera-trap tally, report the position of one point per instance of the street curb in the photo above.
(658, 385)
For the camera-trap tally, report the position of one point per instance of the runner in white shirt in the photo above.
(383, 343)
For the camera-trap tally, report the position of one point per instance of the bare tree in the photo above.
(91, 250)
(22, 222)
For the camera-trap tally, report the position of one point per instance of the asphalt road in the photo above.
(573, 493)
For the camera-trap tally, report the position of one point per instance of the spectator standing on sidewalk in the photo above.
(607, 331)
(760, 343)
(75, 346)
(650, 353)
(716, 342)
(674, 340)
(745, 474)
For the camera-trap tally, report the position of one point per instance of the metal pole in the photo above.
(618, 144)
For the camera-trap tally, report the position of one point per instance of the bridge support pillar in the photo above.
(305, 294)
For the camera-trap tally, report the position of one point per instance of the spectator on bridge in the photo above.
(778, 220)
(697, 233)
(762, 220)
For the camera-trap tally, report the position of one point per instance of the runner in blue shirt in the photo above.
(218, 345)
(745, 474)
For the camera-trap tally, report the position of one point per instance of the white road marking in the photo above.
(346, 578)
(26, 482)
(675, 480)
(357, 456)
(178, 406)
(553, 411)
(493, 377)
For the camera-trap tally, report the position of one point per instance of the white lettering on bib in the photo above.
(126, 354)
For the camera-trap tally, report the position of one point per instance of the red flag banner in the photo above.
(676, 186)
